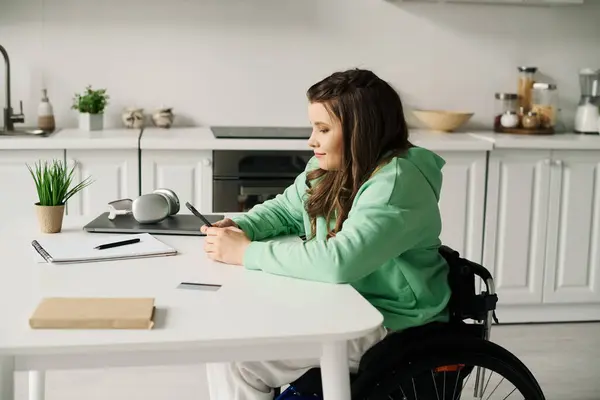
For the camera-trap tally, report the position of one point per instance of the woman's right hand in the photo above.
(224, 223)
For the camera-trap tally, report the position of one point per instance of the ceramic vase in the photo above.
(133, 118)
(163, 117)
(91, 122)
(50, 218)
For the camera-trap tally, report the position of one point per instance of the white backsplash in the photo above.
(242, 62)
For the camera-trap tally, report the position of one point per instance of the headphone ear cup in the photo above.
(171, 198)
(150, 208)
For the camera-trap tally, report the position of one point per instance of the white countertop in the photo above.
(75, 139)
(559, 141)
(202, 138)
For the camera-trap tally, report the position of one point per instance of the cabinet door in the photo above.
(462, 202)
(18, 188)
(515, 223)
(115, 174)
(187, 172)
(572, 255)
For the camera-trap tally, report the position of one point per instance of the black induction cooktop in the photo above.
(257, 132)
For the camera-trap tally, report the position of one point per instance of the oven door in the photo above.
(240, 195)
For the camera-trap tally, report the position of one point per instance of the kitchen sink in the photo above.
(26, 131)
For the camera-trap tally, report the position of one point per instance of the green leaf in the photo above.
(54, 182)
(91, 101)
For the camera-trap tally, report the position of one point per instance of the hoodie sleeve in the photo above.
(390, 216)
(281, 215)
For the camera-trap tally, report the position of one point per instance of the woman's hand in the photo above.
(224, 223)
(226, 245)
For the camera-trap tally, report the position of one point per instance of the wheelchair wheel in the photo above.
(456, 369)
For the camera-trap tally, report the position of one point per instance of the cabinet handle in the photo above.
(207, 162)
(558, 163)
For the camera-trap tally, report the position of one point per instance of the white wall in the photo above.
(251, 61)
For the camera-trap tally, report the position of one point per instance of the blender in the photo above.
(588, 111)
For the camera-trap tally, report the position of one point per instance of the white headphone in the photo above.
(148, 208)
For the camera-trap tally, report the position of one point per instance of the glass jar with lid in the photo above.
(525, 86)
(544, 101)
(506, 103)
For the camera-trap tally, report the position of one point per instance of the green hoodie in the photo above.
(387, 248)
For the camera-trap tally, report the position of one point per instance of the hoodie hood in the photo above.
(430, 164)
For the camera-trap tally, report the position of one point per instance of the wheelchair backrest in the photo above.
(465, 302)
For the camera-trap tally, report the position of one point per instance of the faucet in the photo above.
(9, 118)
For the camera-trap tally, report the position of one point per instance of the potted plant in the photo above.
(91, 104)
(53, 182)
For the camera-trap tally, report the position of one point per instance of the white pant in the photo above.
(256, 380)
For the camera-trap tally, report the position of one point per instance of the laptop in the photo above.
(178, 224)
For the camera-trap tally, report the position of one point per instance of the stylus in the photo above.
(116, 244)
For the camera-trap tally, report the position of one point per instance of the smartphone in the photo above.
(197, 214)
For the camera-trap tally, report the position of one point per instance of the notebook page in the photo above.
(80, 248)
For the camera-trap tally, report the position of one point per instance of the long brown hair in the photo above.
(372, 120)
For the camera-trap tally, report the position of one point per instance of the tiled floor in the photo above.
(565, 358)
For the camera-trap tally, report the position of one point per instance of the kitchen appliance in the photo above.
(588, 110)
(245, 178)
(257, 132)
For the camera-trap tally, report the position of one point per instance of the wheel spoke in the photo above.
(456, 385)
(414, 388)
(501, 380)
(511, 392)
(487, 383)
(435, 385)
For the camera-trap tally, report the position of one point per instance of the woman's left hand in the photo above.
(226, 245)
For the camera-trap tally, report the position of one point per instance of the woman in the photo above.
(368, 206)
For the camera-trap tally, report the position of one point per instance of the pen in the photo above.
(116, 244)
(197, 214)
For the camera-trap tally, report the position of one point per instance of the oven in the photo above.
(245, 178)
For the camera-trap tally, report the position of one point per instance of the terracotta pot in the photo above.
(50, 218)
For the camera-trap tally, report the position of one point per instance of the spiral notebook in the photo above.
(76, 249)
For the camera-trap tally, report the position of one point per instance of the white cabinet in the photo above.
(541, 234)
(187, 172)
(18, 192)
(573, 243)
(115, 174)
(462, 202)
(515, 226)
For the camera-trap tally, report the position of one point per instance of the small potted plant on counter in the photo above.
(91, 104)
(53, 182)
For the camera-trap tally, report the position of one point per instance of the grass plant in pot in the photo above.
(54, 186)
(91, 104)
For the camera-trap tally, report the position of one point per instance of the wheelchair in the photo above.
(437, 361)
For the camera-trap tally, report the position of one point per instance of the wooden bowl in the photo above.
(440, 120)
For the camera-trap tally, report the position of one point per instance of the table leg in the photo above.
(37, 385)
(7, 378)
(335, 372)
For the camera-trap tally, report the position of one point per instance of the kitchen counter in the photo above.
(203, 139)
(559, 141)
(75, 139)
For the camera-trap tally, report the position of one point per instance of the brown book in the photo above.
(93, 313)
